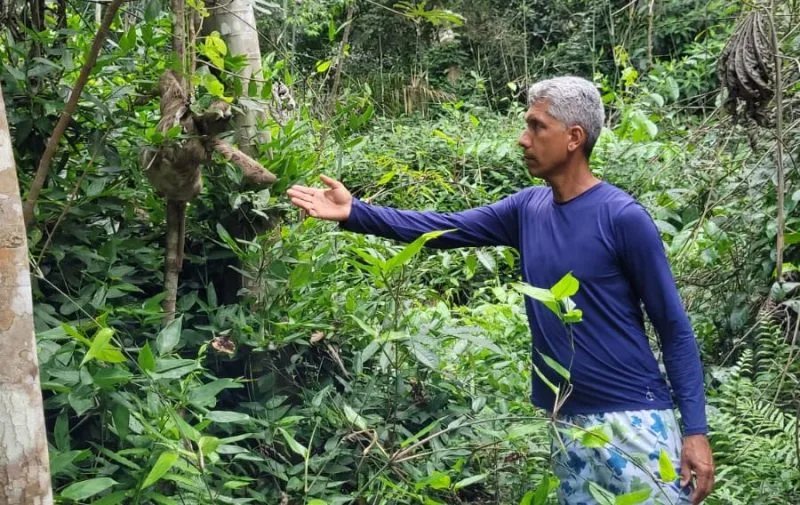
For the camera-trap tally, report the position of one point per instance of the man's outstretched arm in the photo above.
(496, 224)
(646, 264)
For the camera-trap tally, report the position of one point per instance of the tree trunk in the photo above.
(24, 465)
(235, 21)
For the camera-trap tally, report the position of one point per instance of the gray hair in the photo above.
(573, 101)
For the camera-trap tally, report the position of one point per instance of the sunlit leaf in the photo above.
(596, 436)
(665, 467)
(634, 497)
(162, 466)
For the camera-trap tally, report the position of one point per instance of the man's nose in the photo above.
(523, 141)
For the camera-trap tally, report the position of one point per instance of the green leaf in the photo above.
(469, 481)
(354, 418)
(424, 355)
(412, 249)
(109, 377)
(436, 480)
(226, 416)
(322, 66)
(102, 349)
(555, 365)
(486, 259)
(567, 286)
(128, 41)
(112, 499)
(543, 489)
(665, 467)
(602, 496)
(208, 445)
(596, 436)
(61, 432)
(146, 360)
(152, 10)
(72, 332)
(214, 49)
(214, 87)
(544, 379)
(300, 276)
(168, 338)
(162, 466)
(59, 461)
(317, 501)
(80, 491)
(527, 499)
(121, 416)
(634, 497)
(544, 296)
(206, 395)
(293, 444)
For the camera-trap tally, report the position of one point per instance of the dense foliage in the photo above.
(310, 365)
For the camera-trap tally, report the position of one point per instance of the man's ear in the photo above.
(577, 136)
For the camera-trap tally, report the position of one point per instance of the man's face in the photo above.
(545, 141)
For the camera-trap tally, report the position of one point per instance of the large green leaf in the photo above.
(80, 491)
(146, 359)
(226, 416)
(436, 480)
(162, 466)
(168, 338)
(542, 490)
(567, 286)
(603, 496)
(596, 436)
(102, 349)
(555, 365)
(354, 418)
(665, 467)
(206, 395)
(412, 249)
(469, 481)
(121, 416)
(544, 379)
(541, 295)
(293, 444)
(634, 497)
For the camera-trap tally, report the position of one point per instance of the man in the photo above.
(608, 241)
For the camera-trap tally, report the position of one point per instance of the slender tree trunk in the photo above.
(24, 465)
(235, 21)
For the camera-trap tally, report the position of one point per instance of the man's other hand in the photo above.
(333, 203)
(696, 458)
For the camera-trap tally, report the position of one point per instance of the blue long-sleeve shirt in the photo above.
(611, 245)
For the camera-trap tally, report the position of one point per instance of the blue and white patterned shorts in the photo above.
(622, 457)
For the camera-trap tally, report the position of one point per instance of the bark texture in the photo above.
(24, 465)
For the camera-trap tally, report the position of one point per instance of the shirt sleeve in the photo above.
(645, 264)
(496, 224)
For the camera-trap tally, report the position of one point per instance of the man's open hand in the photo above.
(333, 204)
(696, 458)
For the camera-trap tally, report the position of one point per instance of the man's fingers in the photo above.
(331, 183)
(303, 204)
(705, 483)
(686, 474)
(302, 190)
